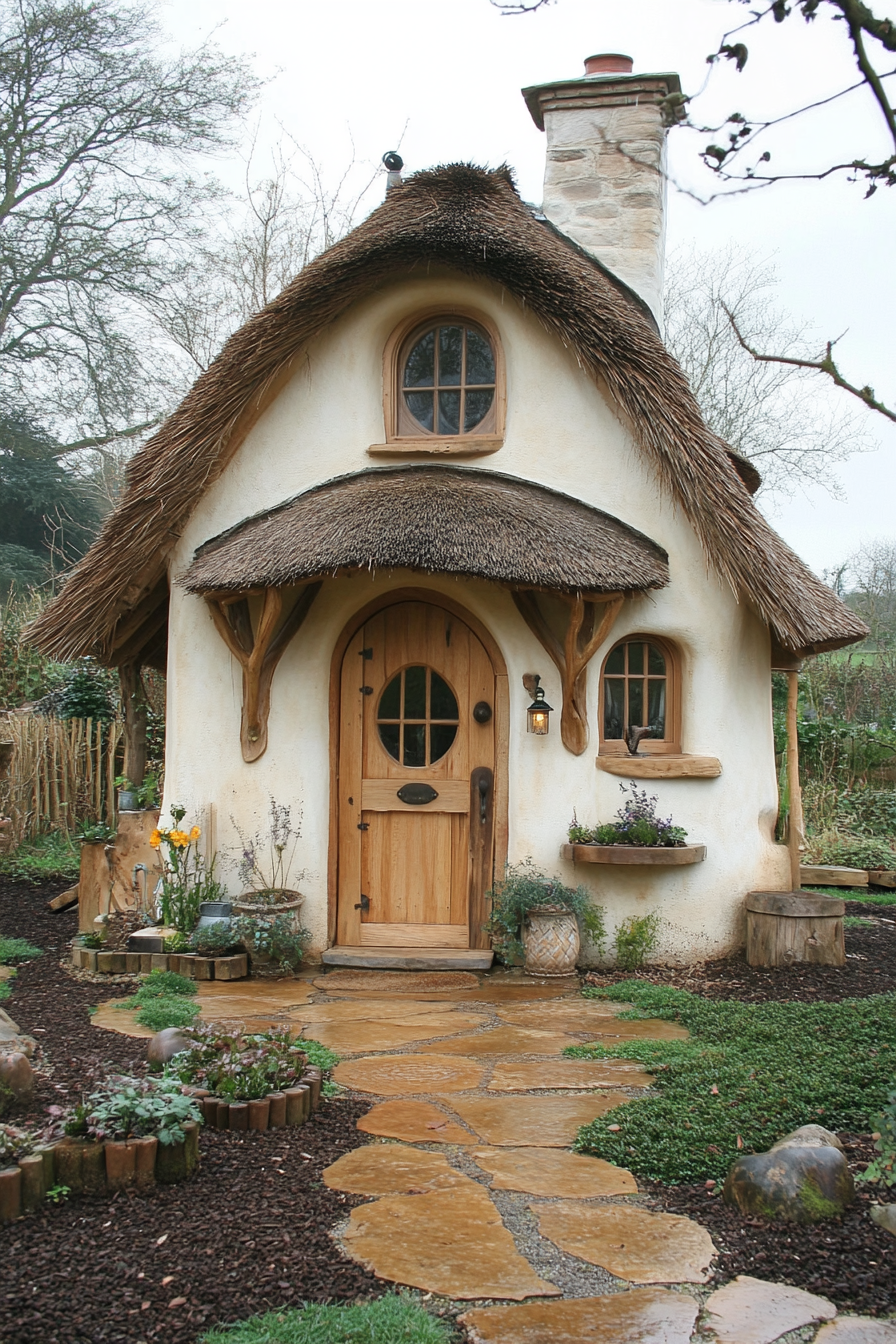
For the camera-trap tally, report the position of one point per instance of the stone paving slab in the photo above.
(576, 1074)
(533, 1122)
(369, 1010)
(554, 1015)
(584, 1021)
(631, 1243)
(355, 1038)
(392, 1169)
(406, 1075)
(450, 1242)
(503, 1040)
(413, 1122)
(857, 1330)
(553, 1173)
(751, 1311)
(373, 983)
(257, 996)
(122, 1020)
(641, 1316)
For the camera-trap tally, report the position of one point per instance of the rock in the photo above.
(885, 1216)
(751, 1311)
(166, 1044)
(808, 1136)
(796, 1185)
(7, 1023)
(857, 1330)
(16, 1078)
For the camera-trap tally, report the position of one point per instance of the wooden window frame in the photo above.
(649, 746)
(398, 440)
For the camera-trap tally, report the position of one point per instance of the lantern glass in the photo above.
(538, 714)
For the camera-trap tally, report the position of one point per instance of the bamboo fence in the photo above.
(60, 774)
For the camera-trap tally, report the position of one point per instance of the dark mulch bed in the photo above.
(870, 969)
(249, 1233)
(849, 1260)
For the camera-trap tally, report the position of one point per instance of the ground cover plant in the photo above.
(48, 857)
(749, 1073)
(16, 949)
(392, 1319)
(165, 999)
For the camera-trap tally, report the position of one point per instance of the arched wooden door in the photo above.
(415, 781)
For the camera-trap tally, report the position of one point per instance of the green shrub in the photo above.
(17, 949)
(241, 1066)
(867, 812)
(91, 832)
(213, 940)
(750, 1071)
(852, 851)
(49, 856)
(273, 935)
(89, 692)
(883, 1168)
(160, 1012)
(524, 888)
(163, 984)
(133, 1108)
(635, 938)
(392, 1319)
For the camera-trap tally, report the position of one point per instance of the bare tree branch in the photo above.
(824, 365)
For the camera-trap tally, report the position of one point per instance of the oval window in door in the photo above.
(417, 717)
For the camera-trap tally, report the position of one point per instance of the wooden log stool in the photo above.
(787, 927)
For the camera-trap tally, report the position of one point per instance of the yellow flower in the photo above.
(155, 839)
(195, 833)
(179, 839)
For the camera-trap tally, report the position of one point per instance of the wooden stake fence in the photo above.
(60, 773)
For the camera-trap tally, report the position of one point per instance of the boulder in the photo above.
(165, 1045)
(808, 1136)
(885, 1216)
(16, 1078)
(798, 1184)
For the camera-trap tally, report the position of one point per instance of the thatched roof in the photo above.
(473, 221)
(441, 520)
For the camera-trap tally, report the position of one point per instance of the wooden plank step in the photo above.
(829, 875)
(64, 899)
(410, 958)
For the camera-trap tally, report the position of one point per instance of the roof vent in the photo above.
(610, 63)
(393, 163)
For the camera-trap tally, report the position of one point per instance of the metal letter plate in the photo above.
(416, 795)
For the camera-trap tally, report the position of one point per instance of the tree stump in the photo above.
(787, 927)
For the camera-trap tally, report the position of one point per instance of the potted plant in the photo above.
(265, 868)
(127, 794)
(542, 920)
(187, 881)
(636, 835)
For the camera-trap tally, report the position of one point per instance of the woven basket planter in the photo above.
(552, 941)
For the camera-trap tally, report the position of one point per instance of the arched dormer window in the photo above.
(444, 386)
(640, 688)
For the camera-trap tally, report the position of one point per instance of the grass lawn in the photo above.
(41, 860)
(876, 897)
(750, 1073)
(393, 1319)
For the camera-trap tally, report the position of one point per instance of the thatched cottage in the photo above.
(453, 456)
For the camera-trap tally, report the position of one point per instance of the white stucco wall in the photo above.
(560, 432)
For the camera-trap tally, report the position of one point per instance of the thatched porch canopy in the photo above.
(438, 520)
(474, 222)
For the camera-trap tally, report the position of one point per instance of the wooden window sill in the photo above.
(661, 767)
(461, 445)
(642, 855)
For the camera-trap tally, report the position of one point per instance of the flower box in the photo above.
(649, 856)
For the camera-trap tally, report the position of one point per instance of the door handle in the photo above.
(483, 785)
(364, 903)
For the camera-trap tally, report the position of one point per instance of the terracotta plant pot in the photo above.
(145, 1161)
(551, 940)
(121, 1158)
(177, 1161)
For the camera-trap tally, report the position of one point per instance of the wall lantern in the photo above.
(539, 712)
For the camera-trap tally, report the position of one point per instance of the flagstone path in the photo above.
(474, 1192)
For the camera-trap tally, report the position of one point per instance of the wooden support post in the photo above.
(581, 641)
(258, 653)
(796, 840)
(133, 701)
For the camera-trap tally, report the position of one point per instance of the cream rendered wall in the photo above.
(562, 433)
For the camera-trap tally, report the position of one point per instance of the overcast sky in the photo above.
(443, 78)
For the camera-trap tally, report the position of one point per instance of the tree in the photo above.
(98, 206)
(771, 414)
(738, 161)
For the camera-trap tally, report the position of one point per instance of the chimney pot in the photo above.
(608, 63)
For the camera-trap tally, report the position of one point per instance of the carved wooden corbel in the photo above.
(581, 641)
(258, 653)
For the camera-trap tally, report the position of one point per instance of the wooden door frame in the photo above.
(502, 725)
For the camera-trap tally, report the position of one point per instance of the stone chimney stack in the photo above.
(604, 180)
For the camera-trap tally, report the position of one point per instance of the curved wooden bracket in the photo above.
(581, 641)
(258, 653)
